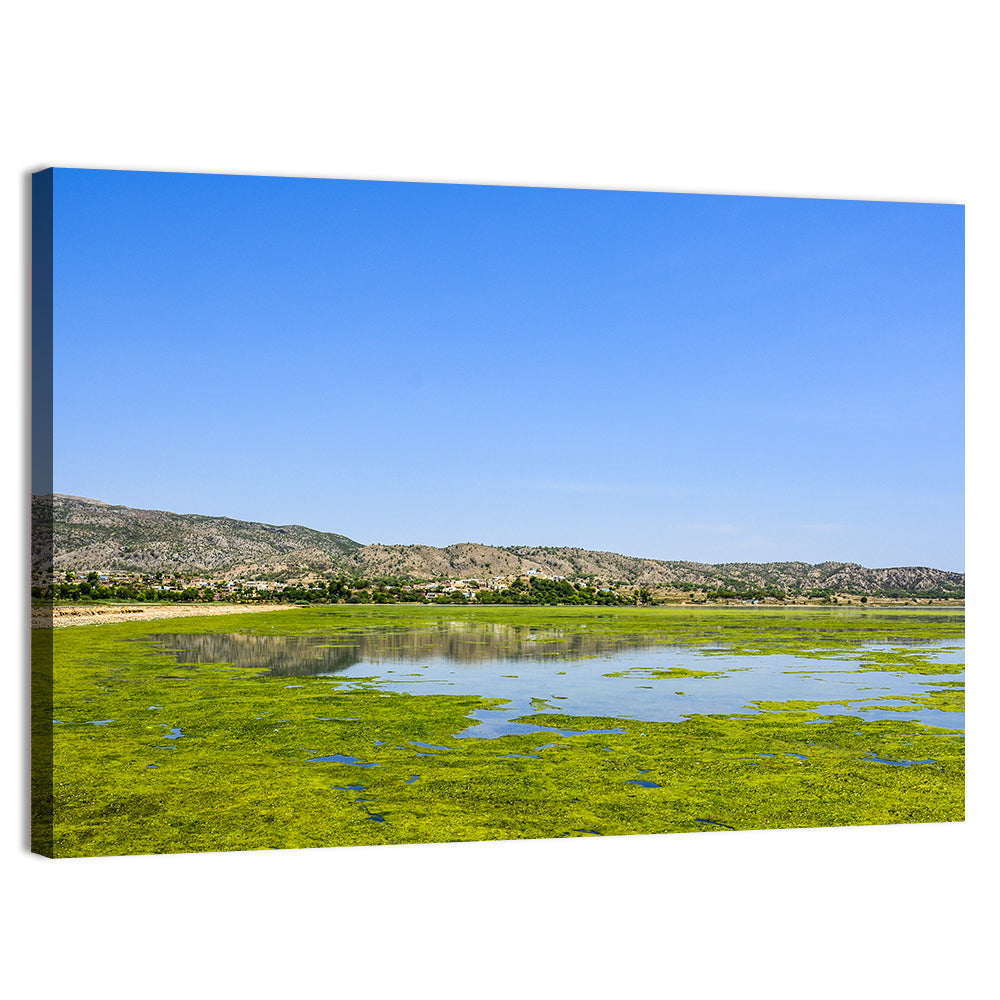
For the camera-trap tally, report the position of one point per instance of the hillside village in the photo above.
(98, 585)
(532, 588)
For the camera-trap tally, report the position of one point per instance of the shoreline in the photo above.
(77, 614)
(63, 617)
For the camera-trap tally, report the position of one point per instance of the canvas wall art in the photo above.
(374, 513)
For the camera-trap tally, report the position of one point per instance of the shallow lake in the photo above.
(581, 675)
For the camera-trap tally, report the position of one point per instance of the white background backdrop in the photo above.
(879, 100)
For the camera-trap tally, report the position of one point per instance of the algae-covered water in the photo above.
(624, 677)
(346, 725)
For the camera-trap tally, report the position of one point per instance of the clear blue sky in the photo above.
(701, 377)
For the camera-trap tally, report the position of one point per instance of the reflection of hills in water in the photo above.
(296, 656)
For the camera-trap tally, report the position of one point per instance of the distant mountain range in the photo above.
(79, 534)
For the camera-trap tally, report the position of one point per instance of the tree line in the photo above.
(393, 590)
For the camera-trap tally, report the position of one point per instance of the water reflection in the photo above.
(532, 671)
(301, 656)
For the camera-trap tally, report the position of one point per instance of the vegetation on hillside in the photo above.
(157, 555)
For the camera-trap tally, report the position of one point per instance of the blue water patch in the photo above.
(339, 758)
(896, 763)
(713, 822)
(495, 722)
(642, 783)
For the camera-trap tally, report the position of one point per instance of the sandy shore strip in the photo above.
(60, 617)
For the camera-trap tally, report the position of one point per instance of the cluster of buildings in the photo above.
(230, 589)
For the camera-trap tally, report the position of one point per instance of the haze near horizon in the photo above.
(683, 377)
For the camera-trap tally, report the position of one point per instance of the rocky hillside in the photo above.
(92, 535)
(89, 534)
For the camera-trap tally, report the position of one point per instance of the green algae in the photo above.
(671, 673)
(912, 661)
(950, 699)
(242, 774)
(943, 701)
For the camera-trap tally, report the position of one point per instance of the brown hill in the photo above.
(78, 534)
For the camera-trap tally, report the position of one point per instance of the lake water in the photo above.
(578, 675)
(569, 674)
